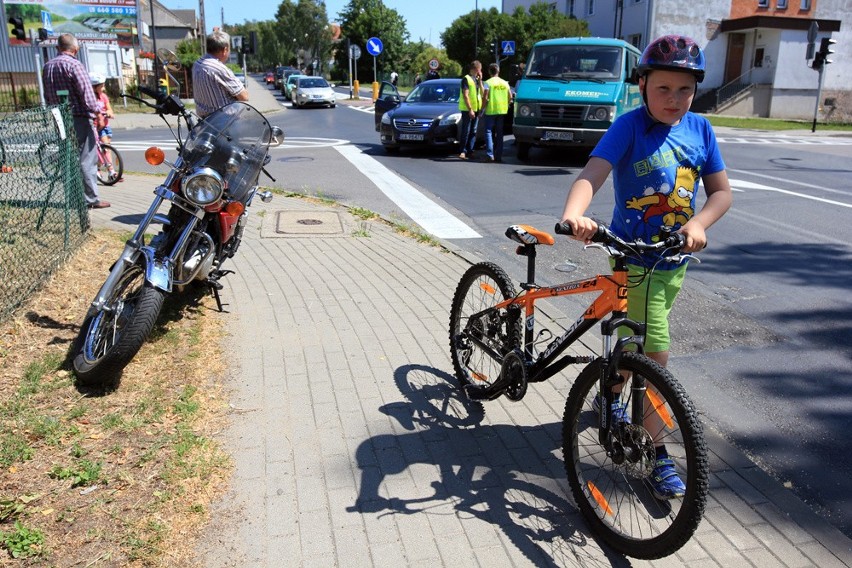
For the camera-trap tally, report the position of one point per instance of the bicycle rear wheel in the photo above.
(483, 286)
(109, 155)
(613, 492)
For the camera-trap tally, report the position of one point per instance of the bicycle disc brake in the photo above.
(513, 374)
(633, 449)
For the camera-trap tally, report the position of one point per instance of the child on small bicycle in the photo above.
(102, 119)
(657, 154)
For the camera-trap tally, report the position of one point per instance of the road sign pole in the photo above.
(349, 56)
(375, 80)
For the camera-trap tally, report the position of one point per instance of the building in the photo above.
(755, 49)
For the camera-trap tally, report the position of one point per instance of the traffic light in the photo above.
(251, 47)
(825, 48)
(18, 30)
(821, 57)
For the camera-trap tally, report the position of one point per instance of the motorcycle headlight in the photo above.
(203, 186)
(454, 118)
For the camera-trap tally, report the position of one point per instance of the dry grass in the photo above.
(123, 478)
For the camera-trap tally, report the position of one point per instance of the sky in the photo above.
(425, 19)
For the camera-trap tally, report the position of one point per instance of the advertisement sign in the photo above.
(89, 20)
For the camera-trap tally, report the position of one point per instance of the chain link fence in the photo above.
(43, 215)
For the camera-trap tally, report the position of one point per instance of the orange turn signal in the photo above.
(154, 156)
(235, 208)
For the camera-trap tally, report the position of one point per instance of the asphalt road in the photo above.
(762, 327)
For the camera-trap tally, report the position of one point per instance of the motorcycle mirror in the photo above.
(277, 137)
(168, 58)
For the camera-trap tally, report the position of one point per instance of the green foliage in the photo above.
(23, 542)
(362, 19)
(542, 21)
(188, 51)
(449, 67)
(83, 472)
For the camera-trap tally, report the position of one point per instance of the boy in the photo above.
(657, 154)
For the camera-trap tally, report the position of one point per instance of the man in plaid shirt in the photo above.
(65, 72)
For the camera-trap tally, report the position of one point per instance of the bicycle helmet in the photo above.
(96, 79)
(673, 53)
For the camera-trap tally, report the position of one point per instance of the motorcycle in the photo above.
(209, 188)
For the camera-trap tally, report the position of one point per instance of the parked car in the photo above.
(312, 91)
(270, 78)
(287, 89)
(428, 116)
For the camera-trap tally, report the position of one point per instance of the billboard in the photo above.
(89, 20)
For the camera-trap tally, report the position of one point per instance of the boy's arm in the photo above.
(580, 195)
(719, 198)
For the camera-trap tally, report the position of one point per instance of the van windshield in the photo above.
(588, 62)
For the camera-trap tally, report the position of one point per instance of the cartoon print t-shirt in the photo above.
(656, 171)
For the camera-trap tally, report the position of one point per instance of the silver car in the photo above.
(312, 91)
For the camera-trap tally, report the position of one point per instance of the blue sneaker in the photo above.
(665, 482)
(618, 410)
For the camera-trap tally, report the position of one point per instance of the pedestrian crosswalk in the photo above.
(786, 140)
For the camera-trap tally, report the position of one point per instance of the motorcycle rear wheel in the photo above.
(110, 338)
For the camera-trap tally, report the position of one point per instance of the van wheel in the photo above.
(524, 151)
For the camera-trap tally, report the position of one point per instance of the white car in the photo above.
(312, 91)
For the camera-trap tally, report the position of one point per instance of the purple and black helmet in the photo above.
(673, 53)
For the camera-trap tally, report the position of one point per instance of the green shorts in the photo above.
(650, 300)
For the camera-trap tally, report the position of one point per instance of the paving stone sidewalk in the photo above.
(353, 447)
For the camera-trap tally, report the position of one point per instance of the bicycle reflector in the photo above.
(155, 156)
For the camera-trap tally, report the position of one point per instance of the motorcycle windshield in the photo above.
(234, 141)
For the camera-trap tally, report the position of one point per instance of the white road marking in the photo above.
(432, 217)
(289, 143)
(743, 186)
(829, 141)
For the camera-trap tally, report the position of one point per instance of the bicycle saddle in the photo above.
(527, 235)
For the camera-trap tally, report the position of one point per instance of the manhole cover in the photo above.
(293, 222)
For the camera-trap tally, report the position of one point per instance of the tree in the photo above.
(362, 19)
(525, 28)
(449, 68)
(187, 51)
(303, 31)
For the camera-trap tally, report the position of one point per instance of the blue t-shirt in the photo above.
(655, 171)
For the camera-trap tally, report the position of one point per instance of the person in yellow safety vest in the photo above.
(496, 100)
(470, 105)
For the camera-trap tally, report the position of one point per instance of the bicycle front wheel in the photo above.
(479, 334)
(109, 156)
(612, 488)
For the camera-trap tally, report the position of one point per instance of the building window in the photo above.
(758, 57)
(765, 3)
(805, 5)
(635, 40)
(782, 4)
(592, 7)
(569, 8)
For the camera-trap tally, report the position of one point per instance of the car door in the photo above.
(388, 99)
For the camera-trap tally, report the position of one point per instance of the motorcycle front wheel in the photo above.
(111, 337)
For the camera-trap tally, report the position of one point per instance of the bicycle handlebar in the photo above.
(668, 239)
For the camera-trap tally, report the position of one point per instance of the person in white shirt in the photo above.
(213, 84)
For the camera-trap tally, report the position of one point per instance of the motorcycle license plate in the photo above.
(411, 137)
(557, 135)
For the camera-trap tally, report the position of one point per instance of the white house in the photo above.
(755, 49)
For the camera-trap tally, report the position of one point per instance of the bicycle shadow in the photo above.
(502, 474)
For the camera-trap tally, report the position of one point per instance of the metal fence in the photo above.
(43, 215)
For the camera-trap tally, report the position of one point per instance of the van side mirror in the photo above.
(634, 76)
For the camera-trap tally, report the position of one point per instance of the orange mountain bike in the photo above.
(608, 457)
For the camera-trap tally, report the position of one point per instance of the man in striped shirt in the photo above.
(65, 73)
(213, 84)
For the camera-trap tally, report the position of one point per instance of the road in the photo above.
(761, 331)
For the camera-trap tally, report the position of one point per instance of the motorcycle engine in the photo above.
(199, 256)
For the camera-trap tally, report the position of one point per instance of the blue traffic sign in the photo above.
(374, 46)
(45, 21)
(507, 47)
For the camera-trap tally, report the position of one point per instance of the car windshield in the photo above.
(435, 93)
(312, 83)
(590, 62)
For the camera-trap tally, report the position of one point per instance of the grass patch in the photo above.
(773, 124)
(94, 478)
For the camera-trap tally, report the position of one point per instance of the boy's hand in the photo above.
(583, 228)
(695, 237)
